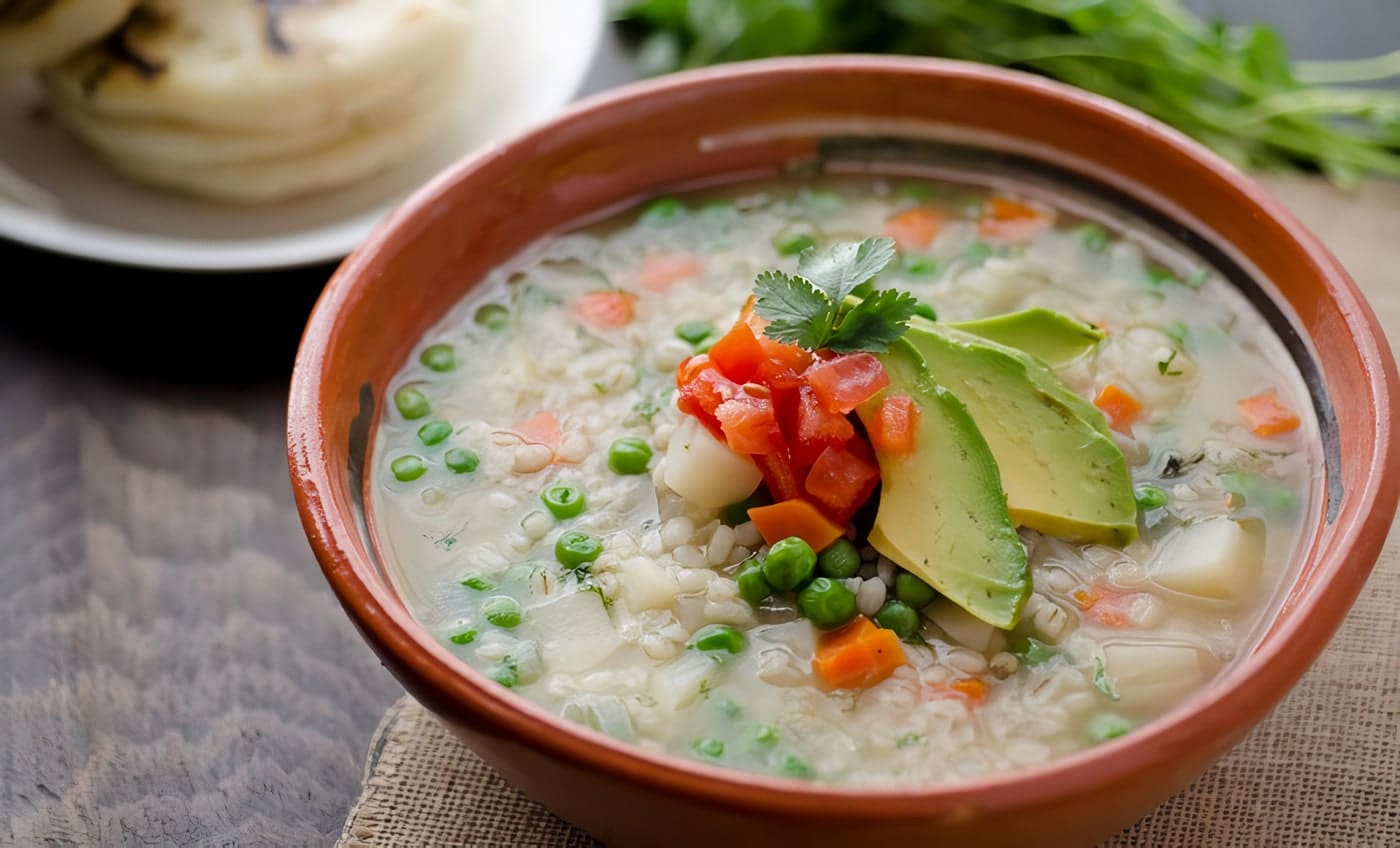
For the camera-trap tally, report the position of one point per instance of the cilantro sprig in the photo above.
(808, 308)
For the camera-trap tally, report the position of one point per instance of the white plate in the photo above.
(527, 60)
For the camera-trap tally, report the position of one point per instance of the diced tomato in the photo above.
(841, 482)
(814, 429)
(893, 427)
(738, 354)
(749, 425)
(845, 382)
(1009, 221)
(700, 389)
(660, 271)
(915, 228)
(780, 474)
(604, 310)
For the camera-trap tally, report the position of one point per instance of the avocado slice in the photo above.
(1052, 337)
(942, 512)
(1062, 475)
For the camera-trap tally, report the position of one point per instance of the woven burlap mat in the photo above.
(1322, 770)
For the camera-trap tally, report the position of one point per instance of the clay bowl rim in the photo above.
(1231, 704)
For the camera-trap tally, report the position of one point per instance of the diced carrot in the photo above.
(1106, 606)
(914, 229)
(1008, 221)
(892, 429)
(542, 428)
(857, 656)
(604, 310)
(660, 271)
(972, 688)
(738, 354)
(1266, 415)
(1121, 408)
(795, 517)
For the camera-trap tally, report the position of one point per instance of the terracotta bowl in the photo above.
(756, 120)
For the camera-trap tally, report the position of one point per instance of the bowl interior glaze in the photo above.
(761, 119)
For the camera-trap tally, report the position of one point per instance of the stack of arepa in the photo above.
(256, 100)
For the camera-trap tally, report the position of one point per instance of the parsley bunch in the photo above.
(1232, 88)
(808, 308)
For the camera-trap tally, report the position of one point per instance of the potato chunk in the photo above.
(1217, 557)
(704, 471)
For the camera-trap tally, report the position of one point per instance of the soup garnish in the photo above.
(848, 481)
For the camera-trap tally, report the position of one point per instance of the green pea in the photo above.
(477, 584)
(712, 748)
(1150, 497)
(461, 460)
(718, 637)
(629, 455)
(466, 637)
(574, 549)
(434, 432)
(977, 251)
(765, 734)
(1106, 726)
(789, 564)
(923, 310)
(492, 316)
(439, 357)
(919, 192)
(662, 210)
(792, 243)
(408, 467)
(912, 591)
(753, 586)
(411, 402)
(899, 617)
(1093, 237)
(564, 501)
(795, 767)
(502, 611)
(694, 332)
(1160, 276)
(505, 674)
(919, 265)
(826, 603)
(839, 560)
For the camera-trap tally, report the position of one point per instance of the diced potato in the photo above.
(963, 627)
(681, 682)
(573, 630)
(704, 471)
(1155, 676)
(1216, 557)
(645, 585)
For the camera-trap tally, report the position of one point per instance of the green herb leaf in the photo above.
(1164, 364)
(875, 322)
(806, 309)
(1102, 682)
(838, 269)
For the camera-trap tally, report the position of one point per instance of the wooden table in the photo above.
(173, 669)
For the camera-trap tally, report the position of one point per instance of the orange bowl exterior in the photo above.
(746, 121)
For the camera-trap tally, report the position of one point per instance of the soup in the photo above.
(849, 480)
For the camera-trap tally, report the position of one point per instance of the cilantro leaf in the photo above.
(1103, 682)
(838, 269)
(797, 312)
(875, 322)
